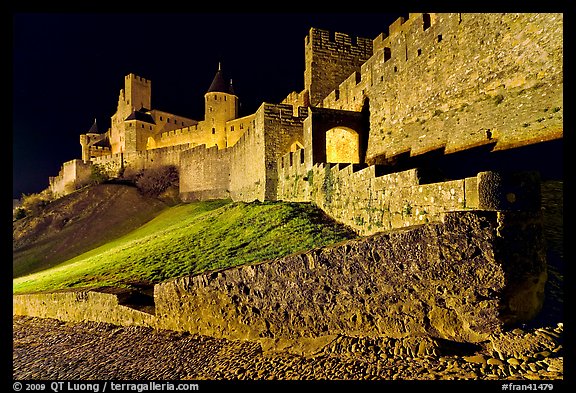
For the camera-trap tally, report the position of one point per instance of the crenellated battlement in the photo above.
(135, 77)
(325, 39)
(437, 72)
(330, 58)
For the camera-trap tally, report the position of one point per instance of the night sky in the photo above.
(68, 69)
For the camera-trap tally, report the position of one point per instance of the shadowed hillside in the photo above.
(188, 239)
(77, 223)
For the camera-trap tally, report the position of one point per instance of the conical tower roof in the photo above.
(219, 84)
(93, 129)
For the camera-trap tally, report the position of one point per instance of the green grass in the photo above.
(192, 238)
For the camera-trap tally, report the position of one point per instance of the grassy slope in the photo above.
(77, 223)
(192, 238)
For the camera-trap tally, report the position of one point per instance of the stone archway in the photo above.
(342, 145)
(296, 146)
(336, 136)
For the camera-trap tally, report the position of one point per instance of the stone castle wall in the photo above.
(145, 159)
(192, 135)
(247, 170)
(72, 174)
(247, 180)
(101, 305)
(460, 80)
(463, 278)
(204, 174)
(284, 129)
(369, 201)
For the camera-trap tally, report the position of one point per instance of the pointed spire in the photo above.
(231, 87)
(218, 84)
(94, 128)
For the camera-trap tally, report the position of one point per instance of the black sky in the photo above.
(68, 69)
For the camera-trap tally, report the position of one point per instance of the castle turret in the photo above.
(136, 95)
(330, 58)
(221, 105)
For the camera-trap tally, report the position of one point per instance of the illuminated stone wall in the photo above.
(460, 80)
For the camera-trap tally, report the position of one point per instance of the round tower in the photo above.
(221, 105)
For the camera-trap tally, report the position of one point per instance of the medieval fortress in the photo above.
(372, 115)
(430, 138)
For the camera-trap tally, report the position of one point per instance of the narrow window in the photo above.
(387, 54)
(332, 36)
(426, 18)
(301, 156)
(395, 69)
(142, 125)
(419, 52)
(213, 131)
(337, 94)
(161, 118)
(232, 128)
(439, 37)
(291, 159)
(241, 126)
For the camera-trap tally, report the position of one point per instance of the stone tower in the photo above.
(330, 58)
(221, 105)
(136, 95)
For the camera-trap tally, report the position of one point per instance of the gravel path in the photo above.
(56, 350)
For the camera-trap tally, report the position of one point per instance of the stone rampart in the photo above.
(204, 174)
(72, 174)
(101, 305)
(369, 201)
(459, 279)
(459, 81)
(145, 159)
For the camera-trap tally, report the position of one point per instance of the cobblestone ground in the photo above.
(56, 350)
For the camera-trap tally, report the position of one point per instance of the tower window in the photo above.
(426, 18)
(387, 54)
(439, 37)
(232, 128)
(161, 118)
(213, 131)
(419, 52)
